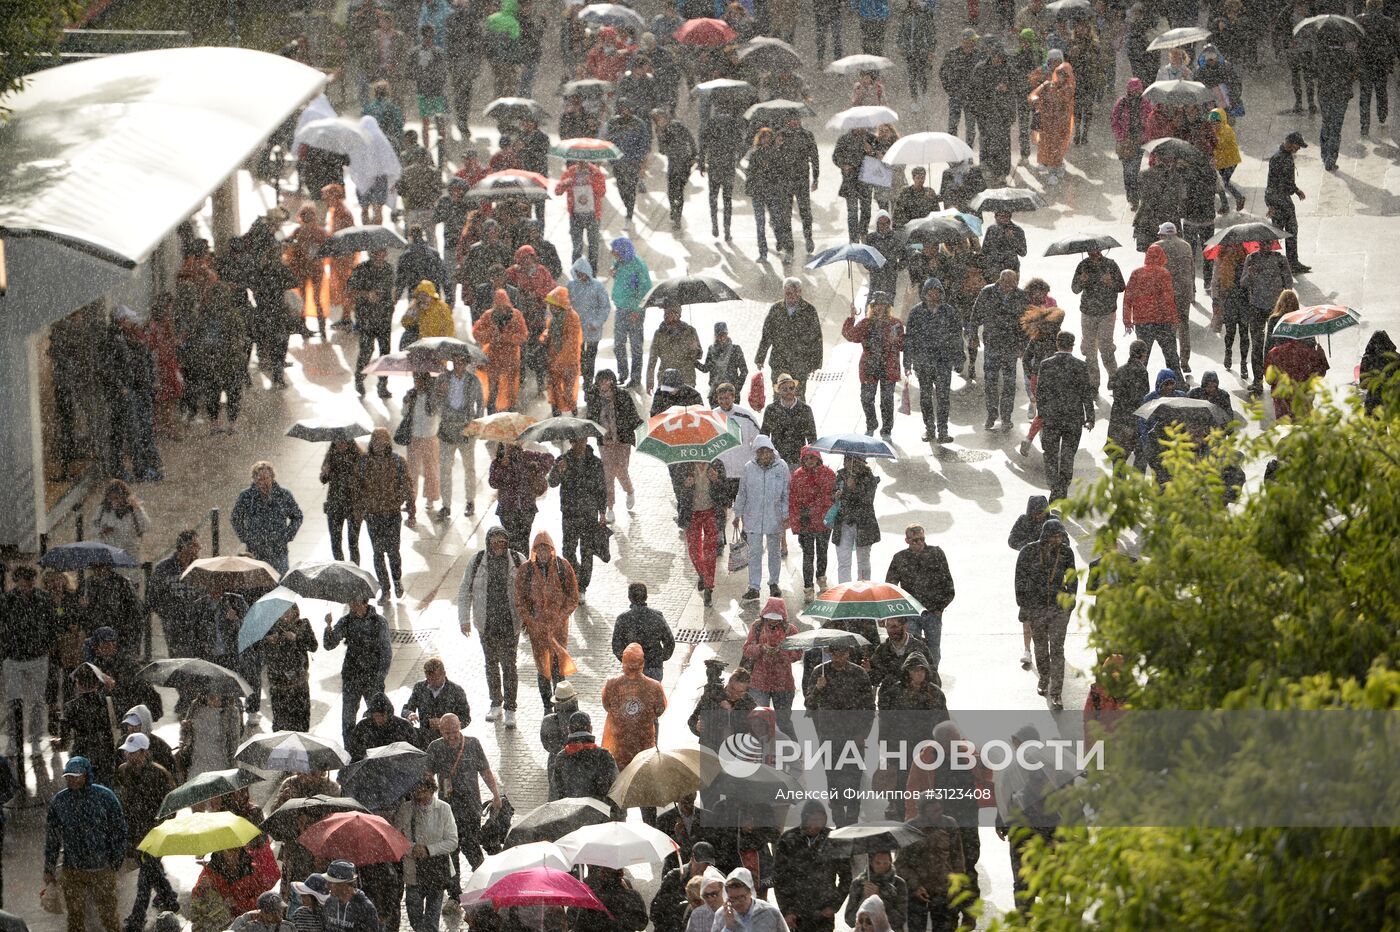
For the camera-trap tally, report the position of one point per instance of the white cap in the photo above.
(1167, 229)
(136, 742)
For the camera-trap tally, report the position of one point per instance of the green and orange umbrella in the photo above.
(1316, 321)
(863, 599)
(584, 149)
(692, 434)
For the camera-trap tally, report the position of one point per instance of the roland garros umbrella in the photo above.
(705, 31)
(209, 785)
(865, 600)
(1070, 8)
(659, 777)
(557, 818)
(505, 188)
(534, 178)
(541, 886)
(868, 837)
(282, 824)
(85, 553)
(294, 751)
(198, 833)
(855, 64)
(323, 430)
(1013, 200)
(693, 434)
(1318, 320)
(1081, 242)
(585, 149)
(405, 362)
(331, 581)
(358, 837)
(444, 348)
(1183, 35)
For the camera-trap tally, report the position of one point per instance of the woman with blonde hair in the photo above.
(1287, 303)
(120, 521)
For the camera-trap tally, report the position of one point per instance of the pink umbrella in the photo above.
(541, 886)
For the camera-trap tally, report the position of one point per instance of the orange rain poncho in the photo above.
(633, 702)
(563, 341)
(1054, 98)
(338, 269)
(501, 332)
(546, 593)
(300, 256)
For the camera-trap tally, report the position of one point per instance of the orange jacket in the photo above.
(1148, 298)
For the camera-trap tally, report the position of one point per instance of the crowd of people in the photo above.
(651, 92)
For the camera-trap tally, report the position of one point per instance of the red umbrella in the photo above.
(357, 837)
(534, 177)
(541, 886)
(1213, 252)
(705, 32)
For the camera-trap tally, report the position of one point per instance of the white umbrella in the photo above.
(616, 845)
(855, 64)
(319, 109)
(612, 14)
(293, 751)
(862, 118)
(1182, 35)
(377, 158)
(927, 148)
(334, 134)
(518, 858)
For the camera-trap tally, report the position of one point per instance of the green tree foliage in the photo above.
(28, 29)
(1286, 599)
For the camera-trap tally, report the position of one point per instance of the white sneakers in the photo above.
(495, 713)
(631, 500)
(1025, 660)
(510, 719)
(610, 516)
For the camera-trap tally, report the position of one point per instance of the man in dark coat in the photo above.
(1098, 281)
(432, 698)
(583, 500)
(626, 911)
(797, 152)
(791, 340)
(810, 884)
(843, 701)
(112, 601)
(1279, 191)
(582, 768)
(933, 348)
(1129, 385)
(554, 727)
(879, 879)
(1065, 400)
(1336, 73)
(1042, 575)
(669, 906)
(789, 421)
(721, 147)
(368, 652)
(141, 785)
(372, 290)
(887, 659)
(849, 155)
(921, 569)
(646, 626)
(1377, 56)
(998, 312)
(379, 727)
(956, 76)
(687, 824)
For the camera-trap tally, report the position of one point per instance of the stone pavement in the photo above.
(966, 496)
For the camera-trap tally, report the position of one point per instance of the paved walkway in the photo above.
(967, 496)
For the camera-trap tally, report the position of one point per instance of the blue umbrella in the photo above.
(83, 554)
(855, 445)
(851, 254)
(263, 614)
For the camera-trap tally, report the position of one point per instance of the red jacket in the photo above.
(772, 673)
(1149, 298)
(810, 491)
(860, 332)
(566, 186)
(241, 895)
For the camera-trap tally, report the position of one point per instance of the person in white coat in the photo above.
(735, 458)
(487, 594)
(120, 521)
(762, 506)
(427, 823)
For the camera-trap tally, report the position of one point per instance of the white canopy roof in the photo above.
(108, 155)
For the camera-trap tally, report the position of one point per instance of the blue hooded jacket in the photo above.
(590, 300)
(1150, 449)
(631, 280)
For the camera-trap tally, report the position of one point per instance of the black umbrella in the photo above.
(556, 819)
(513, 108)
(761, 786)
(319, 430)
(1343, 27)
(1081, 242)
(936, 230)
(351, 240)
(690, 289)
(823, 637)
(1015, 200)
(770, 55)
(195, 675)
(9, 922)
(587, 87)
(556, 429)
(282, 824)
(771, 111)
(385, 774)
(331, 580)
(209, 785)
(1197, 411)
(1170, 145)
(1255, 231)
(505, 187)
(869, 837)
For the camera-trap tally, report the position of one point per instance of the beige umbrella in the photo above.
(218, 575)
(659, 777)
(504, 426)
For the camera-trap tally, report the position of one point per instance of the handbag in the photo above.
(830, 518)
(739, 553)
(433, 872)
(602, 542)
(757, 397)
(403, 434)
(495, 826)
(905, 405)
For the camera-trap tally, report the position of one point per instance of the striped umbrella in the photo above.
(692, 434)
(865, 600)
(534, 178)
(1319, 320)
(584, 149)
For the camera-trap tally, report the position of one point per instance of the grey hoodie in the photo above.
(590, 299)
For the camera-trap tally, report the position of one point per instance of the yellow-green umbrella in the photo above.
(198, 833)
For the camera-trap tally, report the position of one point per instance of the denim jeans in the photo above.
(351, 692)
(145, 458)
(757, 544)
(1131, 168)
(929, 626)
(814, 553)
(846, 546)
(628, 334)
(384, 536)
(335, 520)
(780, 703)
(424, 908)
(1334, 114)
(858, 213)
(581, 226)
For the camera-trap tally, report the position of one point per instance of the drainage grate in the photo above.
(965, 456)
(417, 636)
(825, 375)
(700, 635)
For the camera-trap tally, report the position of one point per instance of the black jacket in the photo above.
(955, 74)
(624, 411)
(1064, 392)
(801, 163)
(908, 714)
(894, 892)
(366, 735)
(795, 340)
(923, 575)
(807, 879)
(28, 624)
(857, 505)
(790, 429)
(669, 907)
(626, 911)
(582, 494)
(451, 698)
(1043, 570)
(1027, 527)
(721, 144)
(887, 668)
(933, 337)
(999, 316)
(1129, 386)
(1003, 246)
(1282, 181)
(647, 627)
(582, 769)
(554, 727)
(1097, 298)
